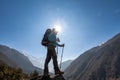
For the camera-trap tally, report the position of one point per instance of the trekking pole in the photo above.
(57, 50)
(61, 57)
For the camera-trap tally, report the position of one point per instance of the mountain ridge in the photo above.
(17, 58)
(98, 63)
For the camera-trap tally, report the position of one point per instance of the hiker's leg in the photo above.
(55, 63)
(48, 58)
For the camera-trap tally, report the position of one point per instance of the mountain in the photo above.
(65, 64)
(5, 59)
(16, 59)
(38, 62)
(99, 63)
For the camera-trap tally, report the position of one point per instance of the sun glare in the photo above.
(58, 27)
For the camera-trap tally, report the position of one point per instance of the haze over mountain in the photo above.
(14, 58)
(99, 63)
(38, 62)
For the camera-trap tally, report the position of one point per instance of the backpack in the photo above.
(45, 40)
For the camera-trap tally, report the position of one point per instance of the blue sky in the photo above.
(85, 24)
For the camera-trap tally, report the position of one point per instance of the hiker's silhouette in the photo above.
(52, 43)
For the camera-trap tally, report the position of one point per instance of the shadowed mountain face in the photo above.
(16, 59)
(5, 59)
(99, 63)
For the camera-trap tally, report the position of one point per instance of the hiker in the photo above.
(51, 53)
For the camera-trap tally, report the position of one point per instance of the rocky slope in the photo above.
(16, 59)
(99, 63)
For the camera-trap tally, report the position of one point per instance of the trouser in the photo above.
(51, 53)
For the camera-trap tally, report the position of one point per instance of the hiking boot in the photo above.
(59, 73)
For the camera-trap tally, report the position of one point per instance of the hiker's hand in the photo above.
(62, 45)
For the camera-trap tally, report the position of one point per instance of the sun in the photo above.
(58, 27)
